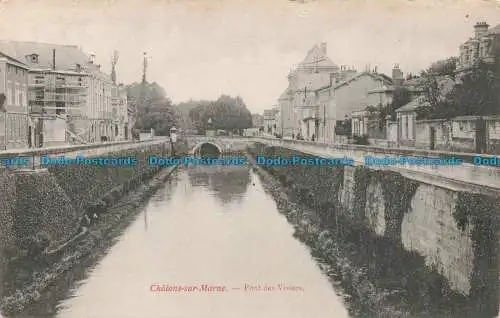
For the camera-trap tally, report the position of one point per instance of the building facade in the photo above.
(270, 121)
(297, 104)
(257, 120)
(69, 96)
(119, 111)
(484, 46)
(14, 117)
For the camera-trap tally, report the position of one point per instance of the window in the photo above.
(18, 95)
(9, 93)
(24, 95)
(14, 97)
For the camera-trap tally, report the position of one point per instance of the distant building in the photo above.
(484, 46)
(297, 107)
(270, 121)
(14, 118)
(119, 110)
(257, 120)
(277, 121)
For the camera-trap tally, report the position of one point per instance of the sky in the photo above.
(200, 49)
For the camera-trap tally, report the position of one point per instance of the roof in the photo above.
(66, 55)
(383, 89)
(377, 76)
(311, 82)
(316, 56)
(284, 95)
(494, 30)
(269, 112)
(412, 105)
(10, 58)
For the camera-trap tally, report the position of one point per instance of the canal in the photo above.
(215, 233)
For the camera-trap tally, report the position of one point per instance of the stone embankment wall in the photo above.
(453, 235)
(45, 207)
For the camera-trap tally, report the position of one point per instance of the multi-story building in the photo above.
(277, 121)
(120, 113)
(69, 96)
(484, 46)
(14, 118)
(270, 121)
(297, 106)
(257, 120)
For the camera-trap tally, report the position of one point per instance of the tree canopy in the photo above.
(401, 96)
(153, 108)
(226, 113)
(476, 93)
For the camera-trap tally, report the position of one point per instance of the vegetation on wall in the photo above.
(398, 192)
(481, 215)
(380, 272)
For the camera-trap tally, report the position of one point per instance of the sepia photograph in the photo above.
(250, 159)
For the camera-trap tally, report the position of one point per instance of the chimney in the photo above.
(480, 28)
(322, 46)
(53, 59)
(91, 58)
(397, 75)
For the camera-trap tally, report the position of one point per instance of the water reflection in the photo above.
(227, 183)
(189, 242)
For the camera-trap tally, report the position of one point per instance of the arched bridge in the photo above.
(196, 144)
(470, 177)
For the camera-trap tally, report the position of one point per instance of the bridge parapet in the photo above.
(223, 143)
(87, 150)
(475, 178)
(467, 176)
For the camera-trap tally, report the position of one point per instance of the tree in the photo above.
(226, 113)
(476, 94)
(401, 96)
(437, 103)
(153, 108)
(184, 109)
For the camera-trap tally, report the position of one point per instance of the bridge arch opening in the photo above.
(207, 149)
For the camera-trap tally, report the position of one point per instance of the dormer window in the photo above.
(32, 58)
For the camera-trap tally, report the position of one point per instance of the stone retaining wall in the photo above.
(453, 234)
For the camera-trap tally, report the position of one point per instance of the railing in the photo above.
(466, 176)
(34, 155)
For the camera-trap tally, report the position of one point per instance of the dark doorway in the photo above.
(480, 139)
(432, 136)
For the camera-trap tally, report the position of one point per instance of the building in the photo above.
(270, 121)
(297, 102)
(484, 46)
(14, 117)
(277, 121)
(257, 120)
(69, 96)
(120, 113)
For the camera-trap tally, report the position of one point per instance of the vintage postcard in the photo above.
(250, 159)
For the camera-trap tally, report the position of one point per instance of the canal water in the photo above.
(214, 232)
